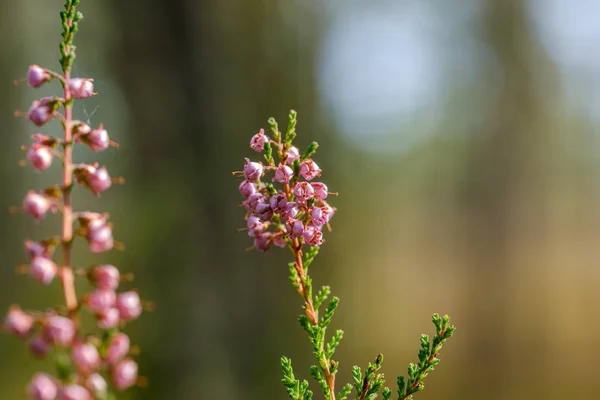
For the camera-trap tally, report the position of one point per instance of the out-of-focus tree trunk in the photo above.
(191, 95)
(496, 169)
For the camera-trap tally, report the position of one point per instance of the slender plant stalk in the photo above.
(67, 279)
(85, 361)
(309, 308)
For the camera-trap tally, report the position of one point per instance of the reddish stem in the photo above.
(309, 307)
(66, 270)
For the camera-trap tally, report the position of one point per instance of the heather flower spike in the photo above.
(286, 208)
(97, 363)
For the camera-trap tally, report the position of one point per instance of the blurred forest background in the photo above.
(461, 135)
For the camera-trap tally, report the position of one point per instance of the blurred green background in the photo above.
(461, 135)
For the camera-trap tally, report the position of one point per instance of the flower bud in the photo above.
(42, 387)
(255, 225)
(278, 202)
(96, 178)
(39, 347)
(295, 228)
(99, 180)
(118, 348)
(109, 319)
(37, 205)
(97, 139)
(292, 155)
(100, 239)
(254, 200)
(37, 76)
(264, 211)
(262, 241)
(312, 236)
(283, 174)
(257, 143)
(321, 215)
(97, 385)
(81, 88)
(105, 276)
(43, 270)
(125, 374)
(74, 392)
(320, 190)
(18, 322)
(97, 231)
(40, 156)
(101, 300)
(247, 188)
(303, 191)
(129, 305)
(86, 357)
(290, 211)
(40, 112)
(309, 169)
(59, 330)
(253, 170)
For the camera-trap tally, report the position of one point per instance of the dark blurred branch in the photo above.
(495, 168)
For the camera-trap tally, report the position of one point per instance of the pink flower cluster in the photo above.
(293, 213)
(91, 355)
(95, 359)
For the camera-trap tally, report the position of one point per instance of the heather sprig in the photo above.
(89, 364)
(290, 210)
(428, 358)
